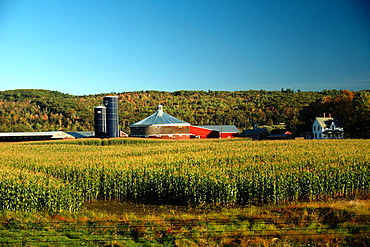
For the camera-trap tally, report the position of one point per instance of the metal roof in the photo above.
(220, 128)
(327, 121)
(160, 118)
(52, 134)
(81, 134)
(253, 132)
(48, 134)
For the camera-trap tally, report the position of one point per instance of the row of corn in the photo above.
(21, 190)
(59, 177)
(252, 185)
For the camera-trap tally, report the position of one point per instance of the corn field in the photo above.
(55, 176)
(22, 190)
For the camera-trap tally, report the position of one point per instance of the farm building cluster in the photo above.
(164, 126)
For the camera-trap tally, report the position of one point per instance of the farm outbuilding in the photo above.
(214, 131)
(42, 136)
(255, 133)
(280, 134)
(161, 125)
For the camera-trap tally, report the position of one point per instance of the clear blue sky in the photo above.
(89, 47)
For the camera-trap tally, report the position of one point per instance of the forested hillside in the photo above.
(43, 110)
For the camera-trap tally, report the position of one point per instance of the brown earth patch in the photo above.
(126, 207)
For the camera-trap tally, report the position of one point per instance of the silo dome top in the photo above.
(160, 110)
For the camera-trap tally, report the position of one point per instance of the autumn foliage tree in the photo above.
(43, 110)
(351, 108)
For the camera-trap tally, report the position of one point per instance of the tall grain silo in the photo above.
(111, 103)
(100, 121)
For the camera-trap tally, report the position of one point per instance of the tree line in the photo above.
(43, 110)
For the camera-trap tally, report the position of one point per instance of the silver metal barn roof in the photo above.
(47, 135)
(220, 128)
(50, 134)
(160, 118)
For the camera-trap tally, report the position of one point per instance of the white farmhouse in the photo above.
(327, 128)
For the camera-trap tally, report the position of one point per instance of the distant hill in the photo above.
(43, 110)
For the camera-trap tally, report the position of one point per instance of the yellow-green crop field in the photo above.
(56, 176)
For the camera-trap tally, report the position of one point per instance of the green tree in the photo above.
(361, 106)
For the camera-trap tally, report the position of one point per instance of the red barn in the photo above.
(214, 131)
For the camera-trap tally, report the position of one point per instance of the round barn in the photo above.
(161, 125)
